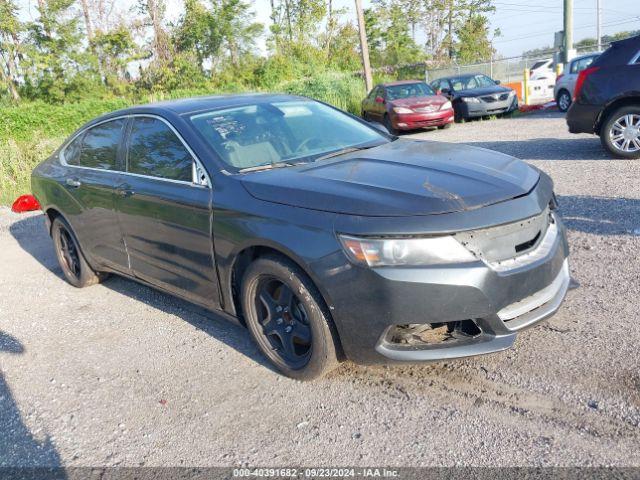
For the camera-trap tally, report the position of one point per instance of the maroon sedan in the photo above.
(407, 105)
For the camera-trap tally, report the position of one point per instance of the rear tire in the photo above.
(287, 318)
(563, 100)
(620, 133)
(74, 266)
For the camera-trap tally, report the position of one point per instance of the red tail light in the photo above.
(582, 76)
(25, 203)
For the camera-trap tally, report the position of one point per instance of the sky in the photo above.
(524, 25)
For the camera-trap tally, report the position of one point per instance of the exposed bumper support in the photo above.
(498, 332)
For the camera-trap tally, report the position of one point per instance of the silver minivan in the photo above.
(565, 83)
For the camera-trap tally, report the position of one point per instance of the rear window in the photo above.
(539, 64)
(619, 53)
(100, 146)
(578, 65)
(72, 151)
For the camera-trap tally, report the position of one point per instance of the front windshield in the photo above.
(271, 133)
(471, 81)
(408, 90)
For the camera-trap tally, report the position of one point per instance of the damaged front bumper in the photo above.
(473, 308)
(493, 333)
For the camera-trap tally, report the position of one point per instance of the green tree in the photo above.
(473, 43)
(10, 29)
(56, 65)
(198, 32)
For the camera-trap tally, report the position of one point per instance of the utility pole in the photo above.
(599, 25)
(568, 30)
(364, 47)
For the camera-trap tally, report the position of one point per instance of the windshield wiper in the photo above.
(267, 166)
(343, 151)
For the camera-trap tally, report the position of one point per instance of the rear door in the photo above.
(164, 207)
(379, 108)
(95, 160)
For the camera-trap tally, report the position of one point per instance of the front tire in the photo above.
(563, 100)
(74, 266)
(444, 127)
(287, 318)
(389, 126)
(620, 133)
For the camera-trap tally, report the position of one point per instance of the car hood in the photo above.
(418, 102)
(400, 178)
(477, 92)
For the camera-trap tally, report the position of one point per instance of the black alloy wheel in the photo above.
(75, 268)
(284, 321)
(69, 253)
(288, 319)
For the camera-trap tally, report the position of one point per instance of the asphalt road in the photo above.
(119, 374)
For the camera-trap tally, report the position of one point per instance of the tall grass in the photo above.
(30, 131)
(17, 160)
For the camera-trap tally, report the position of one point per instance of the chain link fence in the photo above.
(507, 70)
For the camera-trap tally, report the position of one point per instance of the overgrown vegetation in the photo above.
(63, 62)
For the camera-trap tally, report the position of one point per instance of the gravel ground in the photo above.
(119, 374)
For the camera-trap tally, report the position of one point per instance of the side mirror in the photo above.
(380, 127)
(444, 91)
(379, 100)
(497, 82)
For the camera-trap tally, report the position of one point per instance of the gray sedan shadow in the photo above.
(19, 449)
(31, 235)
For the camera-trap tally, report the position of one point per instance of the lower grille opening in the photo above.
(527, 245)
(417, 334)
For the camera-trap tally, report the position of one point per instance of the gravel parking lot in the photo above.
(119, 374)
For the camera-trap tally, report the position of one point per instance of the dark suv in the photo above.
(607, 99)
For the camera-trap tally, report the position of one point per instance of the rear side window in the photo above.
(155, 151)
(100, 146)
(578, 65)
(72, 151)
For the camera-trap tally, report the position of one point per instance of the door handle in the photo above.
(73, 182)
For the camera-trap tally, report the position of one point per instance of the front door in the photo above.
(165, 215)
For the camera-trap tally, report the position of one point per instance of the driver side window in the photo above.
(155, 151)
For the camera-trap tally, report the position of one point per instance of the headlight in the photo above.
(470, 100)
(402, 110)
(445, 106)
(378, 252)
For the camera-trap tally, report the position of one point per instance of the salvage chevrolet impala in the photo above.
(325, 237)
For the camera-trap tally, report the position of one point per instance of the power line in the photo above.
(547, 32)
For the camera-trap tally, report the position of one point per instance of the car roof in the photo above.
(401, 82)
(192, 105)
(587, 55)
(462, 75)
